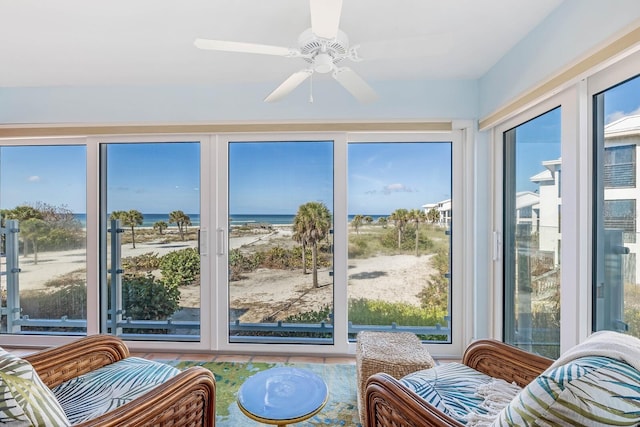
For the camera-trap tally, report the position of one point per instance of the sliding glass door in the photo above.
(150, 234)
(399, 244)
(532, 234)
(43, 280)
(280, 241)
(316, 237)
(616, 290)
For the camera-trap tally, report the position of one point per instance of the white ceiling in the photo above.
(140, 42)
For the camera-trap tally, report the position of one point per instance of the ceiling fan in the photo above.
(323, 47)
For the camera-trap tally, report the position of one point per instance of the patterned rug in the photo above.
(341, 408)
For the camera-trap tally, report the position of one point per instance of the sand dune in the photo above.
(265, 293)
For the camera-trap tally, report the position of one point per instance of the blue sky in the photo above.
(276, 178)
(622, 100)
(539, 139)
(265, 178)
(55, 175)
(384, 177)
(154, 178)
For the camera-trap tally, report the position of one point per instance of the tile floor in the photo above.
(207, 357)
(202, 357)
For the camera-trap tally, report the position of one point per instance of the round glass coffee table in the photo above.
(282, 395)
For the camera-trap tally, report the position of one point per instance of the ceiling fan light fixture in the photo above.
(322, 63)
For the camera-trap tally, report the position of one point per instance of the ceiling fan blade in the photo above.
(325, 17)
(292, 82)
(355, 84)
(228, 46)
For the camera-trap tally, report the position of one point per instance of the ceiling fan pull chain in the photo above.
(311, 89)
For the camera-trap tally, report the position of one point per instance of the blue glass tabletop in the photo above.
(283, 393)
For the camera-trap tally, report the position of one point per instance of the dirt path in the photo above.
(268, 295)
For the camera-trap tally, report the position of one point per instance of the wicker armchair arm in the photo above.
(389, 403)
(60, 364)
(188, 400)
(500, 360)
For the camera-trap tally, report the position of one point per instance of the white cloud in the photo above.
(33, 178)
(617, 115)
(397, 188)
(392, 188)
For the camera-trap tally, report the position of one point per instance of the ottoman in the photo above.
(395, 353)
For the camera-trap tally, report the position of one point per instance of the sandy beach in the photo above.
(264, 294)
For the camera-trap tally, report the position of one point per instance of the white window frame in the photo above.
(624, 69)
(461, 269)
(214, 214)
(574, 220)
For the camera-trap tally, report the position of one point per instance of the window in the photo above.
(305, 229)
(280, 242)
(532, 248)
(151, 259)
(399, 217)
(621, 215)
(619, 166)
(43, 209)
(616, 299)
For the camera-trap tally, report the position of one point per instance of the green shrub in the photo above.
(358, 246)
(324, 314)
(145, 262)
(145, 298)
(279, 258)
(69, 300)
(239, 263)
(364, 311)
(275, 258)
(180, 268)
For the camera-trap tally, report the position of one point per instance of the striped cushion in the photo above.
(451, 388)
(91, 395)
(24, 399)
(590, 391)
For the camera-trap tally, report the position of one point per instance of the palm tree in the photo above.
(181, 219)
(312, 224)
(383, 221)
(131, 218)
(298, 236)
(417, 216)
(357, 221)
(160, 226)
(34, 229)
(400, 218)
(433, 215)
(23, 213)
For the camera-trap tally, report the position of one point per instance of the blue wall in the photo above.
(417, 100)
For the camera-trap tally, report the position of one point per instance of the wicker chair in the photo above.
(188, 399)
(389, 403)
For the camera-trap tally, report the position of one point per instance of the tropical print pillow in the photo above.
(589, 391)
(450, 387)
(98, 392)
(24, 399)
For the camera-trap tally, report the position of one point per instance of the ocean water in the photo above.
(261, 219)
(148, 219)
(277, 219)
(151, 218)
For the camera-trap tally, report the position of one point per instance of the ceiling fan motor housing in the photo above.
(323, 53)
